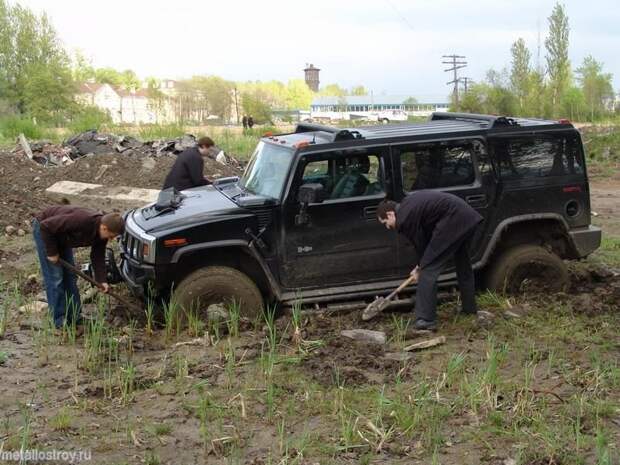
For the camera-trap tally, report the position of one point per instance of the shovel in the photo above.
(82, 275)
(380, 303)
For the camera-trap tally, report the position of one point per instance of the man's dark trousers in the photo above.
(426, 292)
(63, 296)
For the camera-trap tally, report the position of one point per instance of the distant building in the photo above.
(312, 77)
(375, 103)
(123, 106)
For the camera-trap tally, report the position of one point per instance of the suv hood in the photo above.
(200, 205)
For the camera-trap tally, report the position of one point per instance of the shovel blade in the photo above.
(374, 308)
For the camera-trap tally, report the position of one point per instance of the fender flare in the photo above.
(504, 224)
(246, 247)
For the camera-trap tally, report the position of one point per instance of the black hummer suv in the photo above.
(301, 221)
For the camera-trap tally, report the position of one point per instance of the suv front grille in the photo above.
(132, 246)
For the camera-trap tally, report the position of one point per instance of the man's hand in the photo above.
(105, 288)
(415, 273)
(54, 259)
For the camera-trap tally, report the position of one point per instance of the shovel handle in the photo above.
(411, 279)
(84, 276)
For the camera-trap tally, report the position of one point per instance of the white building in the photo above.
(123, 106)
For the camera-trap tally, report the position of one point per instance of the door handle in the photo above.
(477, 200)
(370, 212)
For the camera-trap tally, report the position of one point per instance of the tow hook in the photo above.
(256, 239)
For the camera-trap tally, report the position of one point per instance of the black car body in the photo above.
(322, 242)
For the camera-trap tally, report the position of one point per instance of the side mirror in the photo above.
(308, 193)
(311, 193)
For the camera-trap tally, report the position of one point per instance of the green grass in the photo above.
(12, 126)
(609, 252)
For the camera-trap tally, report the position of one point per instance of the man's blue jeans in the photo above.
(63, 296)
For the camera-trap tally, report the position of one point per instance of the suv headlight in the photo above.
(137, 244)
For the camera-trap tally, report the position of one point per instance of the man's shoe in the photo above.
(469, 312)
(425, 324)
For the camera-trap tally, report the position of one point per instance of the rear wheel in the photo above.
(527, 268)
(210, 292)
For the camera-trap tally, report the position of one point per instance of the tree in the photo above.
(596, 86)
(558, 65)
(108, 76)
(332, 90)
(574, 104)
(48, 92)
(520, 72)
(359, 90)
(255, 103)
(298, 95)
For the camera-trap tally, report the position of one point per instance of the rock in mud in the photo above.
(365, 335)
(399, 356)
(426, 344)
(10, 230)
(34, 307)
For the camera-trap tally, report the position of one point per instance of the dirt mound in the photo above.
(23, 193)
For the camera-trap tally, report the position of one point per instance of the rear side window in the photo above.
(437, 164)
(542, 155)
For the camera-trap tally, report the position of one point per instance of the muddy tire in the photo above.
(527, 268)
(215, 288)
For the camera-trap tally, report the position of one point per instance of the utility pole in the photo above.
(457, 62)
(466, 81)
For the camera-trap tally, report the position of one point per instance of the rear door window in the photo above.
(541, 155)
(437, 164)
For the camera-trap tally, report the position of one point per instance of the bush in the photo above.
(12, 126)
(88, 117)
(161, 131)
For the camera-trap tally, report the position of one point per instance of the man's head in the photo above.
(112, 224)
(386, 213)
(204, 144)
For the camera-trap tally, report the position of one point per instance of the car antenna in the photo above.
(313, 139)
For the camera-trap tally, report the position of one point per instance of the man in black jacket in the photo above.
(440, 227)
(188, 167)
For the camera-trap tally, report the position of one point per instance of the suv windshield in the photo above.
(267, 171)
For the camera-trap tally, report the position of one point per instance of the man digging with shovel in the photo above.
(440, 227)
(57, 230)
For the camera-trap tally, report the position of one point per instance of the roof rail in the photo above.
(339, 134)
(491, 120)
(311, 127)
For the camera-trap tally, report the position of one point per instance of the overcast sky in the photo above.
(390, 46)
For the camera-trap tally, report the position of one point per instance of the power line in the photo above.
(400, 15)
(466, 82)
(457, 62)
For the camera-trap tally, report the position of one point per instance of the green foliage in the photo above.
(332, 90)
(88, 117)
(359, 90)
(520, 72)
(596, 86)
(12, 126)
(161, 131)
(34, 68)
(256, 104)
(558, 65)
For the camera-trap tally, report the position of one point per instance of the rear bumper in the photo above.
(586, 240)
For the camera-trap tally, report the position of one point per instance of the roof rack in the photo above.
(339, 134)
(489, 120)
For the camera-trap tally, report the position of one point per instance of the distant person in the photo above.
(188, 167)
(440, 226)
(59, 229)
(244, 121)
(250, 122)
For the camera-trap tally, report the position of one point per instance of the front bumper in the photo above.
(586, 240)
(137, 276)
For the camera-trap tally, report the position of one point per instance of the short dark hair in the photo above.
(205, 142)
(384, 207)
(114, 222)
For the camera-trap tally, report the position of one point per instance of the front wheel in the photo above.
(527, 268)
(215, 289)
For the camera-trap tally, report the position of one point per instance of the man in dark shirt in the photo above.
(440, 227)
(57, 230)
(186, 172)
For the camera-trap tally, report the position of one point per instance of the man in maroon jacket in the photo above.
(57, 230)
(440, 227)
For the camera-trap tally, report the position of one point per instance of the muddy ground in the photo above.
(535, 380)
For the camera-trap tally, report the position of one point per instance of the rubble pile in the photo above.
(92, 142)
